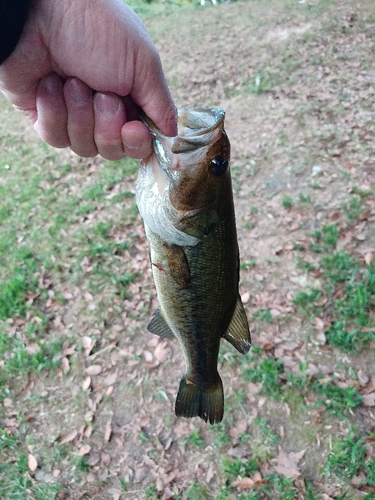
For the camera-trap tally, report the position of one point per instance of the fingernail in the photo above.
(107, 104)
(80, 93)
(136, 144)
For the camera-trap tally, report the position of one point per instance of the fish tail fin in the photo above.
(195, 401)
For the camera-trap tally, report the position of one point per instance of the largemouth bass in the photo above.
(184, 195)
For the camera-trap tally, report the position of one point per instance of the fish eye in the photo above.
(219, 165)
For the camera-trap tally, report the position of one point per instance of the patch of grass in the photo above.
(337, 400)
(349, 456)
(353, 208)
(257, 84)
(247, 264)
(287, 202)
(325, 239)
(265, 370)
(19, 362)
(197, 491)
(16, 483)
(195, 438)
(306, 301)
(263, 315)
(347, 297)
(21, 280)
(238, 468)
(151, 492)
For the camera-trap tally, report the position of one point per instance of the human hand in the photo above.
(81, 72)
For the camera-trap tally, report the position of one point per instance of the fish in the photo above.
(184, 195)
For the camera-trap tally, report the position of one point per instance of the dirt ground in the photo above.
(297, 82)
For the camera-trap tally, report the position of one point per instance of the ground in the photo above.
(87, 401)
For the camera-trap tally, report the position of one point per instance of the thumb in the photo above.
(150, 92)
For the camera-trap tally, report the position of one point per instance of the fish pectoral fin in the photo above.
(238, 333)
(178, 265)
(206, 403)
(159, 326)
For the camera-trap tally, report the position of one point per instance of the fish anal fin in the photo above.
(195, 401)
(159, 326)
(238, 333)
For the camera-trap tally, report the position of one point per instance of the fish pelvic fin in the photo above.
(238, 333)
(195, 401)
(159, 326)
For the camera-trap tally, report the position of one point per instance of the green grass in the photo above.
(15, 481)
(277, 383)
(348, 290)
(19, 362)
(349, 456)
(287, 202)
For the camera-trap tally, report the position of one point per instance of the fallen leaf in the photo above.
(108, 431)
(369, 257)
(369, 399)
(110, 379)
(86, 383)
(244, 483)
(210, 474)
(319, 323)
(33, 348)
(65, 364)
(84, 450)
(69, 436)
(162, 352)
(32, 462)
(87, 344)
(93, 370)
(287, 463)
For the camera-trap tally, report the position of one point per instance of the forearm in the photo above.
(13, 15)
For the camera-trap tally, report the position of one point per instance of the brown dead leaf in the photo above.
(108, 431)
(318, 323)
(162, 352)
(110, 379)
(244, 483)
(87, 344)
(65, 364)
(369, 399)
(84, 450)
(69, 436)
(370, 387)
(86, 383)
(32, 462)
(287, 463)
(210, 474)
(369, 257)
(33, 348)
(94, 370)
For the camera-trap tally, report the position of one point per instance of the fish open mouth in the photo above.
(198, 129)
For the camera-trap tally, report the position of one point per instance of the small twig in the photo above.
(98, 353)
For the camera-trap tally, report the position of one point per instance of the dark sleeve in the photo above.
(13, 15)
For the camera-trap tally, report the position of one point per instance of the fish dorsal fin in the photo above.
(159, 326)
(238, 333)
